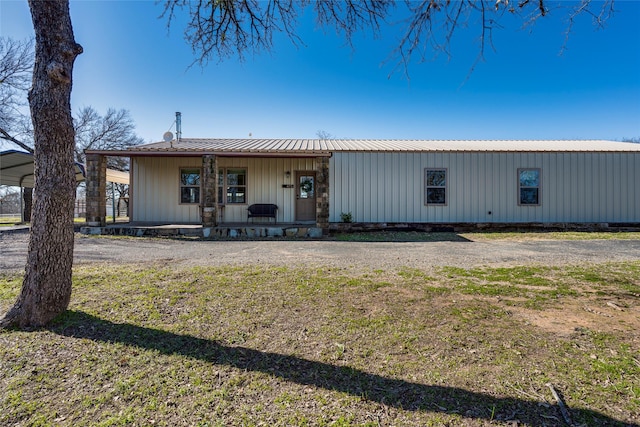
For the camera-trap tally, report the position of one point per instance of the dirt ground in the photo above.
(363, 256)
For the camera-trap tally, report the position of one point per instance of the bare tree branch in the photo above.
(584, 8)
(220, 29)
(113, 131)
(6, 136)
(16, 66)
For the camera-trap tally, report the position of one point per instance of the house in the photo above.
(321, 182)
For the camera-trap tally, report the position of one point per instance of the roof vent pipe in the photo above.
(178, 126)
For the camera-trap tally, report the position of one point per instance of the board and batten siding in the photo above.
(156, 190)
(156, 187)
(575, 187)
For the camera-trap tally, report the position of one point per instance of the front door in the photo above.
(305, 196)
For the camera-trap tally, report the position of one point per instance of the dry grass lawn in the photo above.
(252, 346)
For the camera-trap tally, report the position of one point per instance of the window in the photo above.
(190, 186)
(235, 181)
(435, 186)
(529, 187)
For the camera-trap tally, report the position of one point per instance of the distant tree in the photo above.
(9, 200)
(113, 131)
(216, 30)
(634, 140)
(323, 134)
(16, 69)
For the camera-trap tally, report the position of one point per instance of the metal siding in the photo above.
(379, 209)
(403, 187)
(389, 187)
(608, 178)
(632, 193)
(345, 186)
(359, 169)
(617, 205)
(565, 186)
(498, 206)
(622, 188)
(577, 195)
(374, 185)
(463, 212)
(587, 195)
(417, 192)
(335, 178)
(157, 190)
(348, 205)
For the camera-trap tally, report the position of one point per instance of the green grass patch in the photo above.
(398, 236)
(553, 235)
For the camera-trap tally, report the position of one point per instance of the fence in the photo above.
(79, 211)
(121, 208)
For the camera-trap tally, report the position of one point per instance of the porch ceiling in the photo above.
(17, 169)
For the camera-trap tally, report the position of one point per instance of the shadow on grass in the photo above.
(400, 236)
(396, 393)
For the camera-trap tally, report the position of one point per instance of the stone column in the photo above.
(322, 193)
(96, 190)
(209, 183)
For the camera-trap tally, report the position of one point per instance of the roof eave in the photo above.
(198, 153)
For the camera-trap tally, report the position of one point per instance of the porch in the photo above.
(223, 231)
(217, 191)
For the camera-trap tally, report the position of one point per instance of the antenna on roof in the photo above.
(178, 125)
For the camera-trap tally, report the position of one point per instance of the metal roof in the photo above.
(17, 169)
(319, 147)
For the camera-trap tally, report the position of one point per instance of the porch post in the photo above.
(322, 193)
(96, 190)
(209, 190)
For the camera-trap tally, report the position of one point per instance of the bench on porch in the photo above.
(263, 210)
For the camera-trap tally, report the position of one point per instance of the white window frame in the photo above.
(427, 186)
(181, 185)
(538, 187)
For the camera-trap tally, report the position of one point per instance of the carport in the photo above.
(17, 170)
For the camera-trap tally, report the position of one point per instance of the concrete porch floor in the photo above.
(222, 231)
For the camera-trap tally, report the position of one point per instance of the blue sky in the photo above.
(524, 90)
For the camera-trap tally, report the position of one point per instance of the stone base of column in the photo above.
(209, 217)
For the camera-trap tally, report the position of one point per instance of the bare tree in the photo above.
(9, 200)
(46, 288)
(323, 134)
(16, 68)
(115, 130)
(225, 28)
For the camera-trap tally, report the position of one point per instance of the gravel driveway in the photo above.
(328, 253)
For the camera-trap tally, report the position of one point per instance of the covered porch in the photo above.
(211, 190)
(221, 231)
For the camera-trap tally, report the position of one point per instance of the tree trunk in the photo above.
(46, 289)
